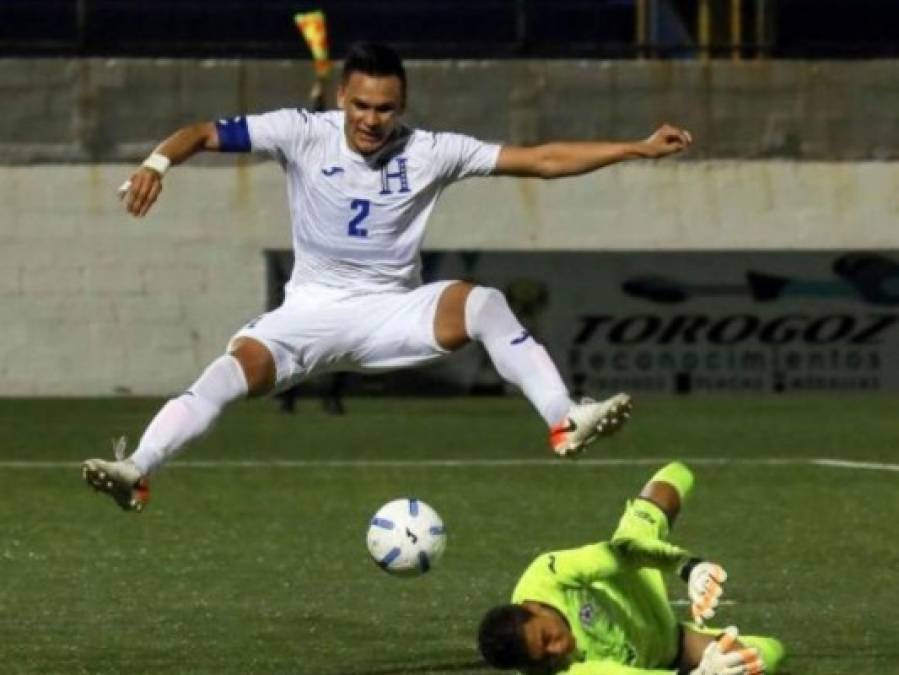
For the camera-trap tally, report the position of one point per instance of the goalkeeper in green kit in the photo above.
(603, 609)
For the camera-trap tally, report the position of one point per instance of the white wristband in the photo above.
(158, 163)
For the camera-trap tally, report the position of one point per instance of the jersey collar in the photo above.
(388, 151)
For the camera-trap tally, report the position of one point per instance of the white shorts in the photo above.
(320, 329)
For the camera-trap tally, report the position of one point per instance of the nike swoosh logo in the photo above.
(521, 338)
(332, 170)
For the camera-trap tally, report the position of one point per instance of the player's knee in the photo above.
(487, 297)
(486, 307)
(450, 320)
(257, 363)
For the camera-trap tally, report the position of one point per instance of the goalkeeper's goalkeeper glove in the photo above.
(704, 587)
(720, 659)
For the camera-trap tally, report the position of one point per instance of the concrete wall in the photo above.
(115, 110)
(95, 302)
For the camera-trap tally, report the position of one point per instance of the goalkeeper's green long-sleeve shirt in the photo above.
(614, 599)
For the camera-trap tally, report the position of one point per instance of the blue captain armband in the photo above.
(234, 136)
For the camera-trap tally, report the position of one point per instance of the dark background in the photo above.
(450, 28)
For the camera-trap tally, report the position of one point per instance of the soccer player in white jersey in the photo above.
(361, 186)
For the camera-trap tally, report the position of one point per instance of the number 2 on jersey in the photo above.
(363, 206)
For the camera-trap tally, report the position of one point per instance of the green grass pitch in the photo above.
(260, 569)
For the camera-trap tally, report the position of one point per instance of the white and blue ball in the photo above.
(406, 537)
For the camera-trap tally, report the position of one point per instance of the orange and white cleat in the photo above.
(588, 420)
(120, 479)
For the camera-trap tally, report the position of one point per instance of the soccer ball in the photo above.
(406, 537)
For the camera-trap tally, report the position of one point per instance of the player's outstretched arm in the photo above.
(141, 190)
(557, 160)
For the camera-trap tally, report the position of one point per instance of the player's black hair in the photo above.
(501, 637)
(373, 58)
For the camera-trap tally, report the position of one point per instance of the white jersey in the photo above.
(357, 224)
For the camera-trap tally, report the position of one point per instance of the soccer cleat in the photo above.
(120, 479)
(588, 420)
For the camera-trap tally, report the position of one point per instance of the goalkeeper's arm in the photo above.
(705, 580)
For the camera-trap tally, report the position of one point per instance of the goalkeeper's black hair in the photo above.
(373, 58)
(501, 637)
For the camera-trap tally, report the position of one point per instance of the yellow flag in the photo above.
(315, 31)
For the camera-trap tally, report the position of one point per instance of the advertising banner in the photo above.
(688, 322)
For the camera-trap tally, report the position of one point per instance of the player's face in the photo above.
(548, 638)
(373, 105)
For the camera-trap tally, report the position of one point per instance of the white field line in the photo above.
(844, 464)
(685, 603)
(481, 463)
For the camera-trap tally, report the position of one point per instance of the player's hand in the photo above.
(140, 191)
(705, 586)
(667, 140)
(720, 658)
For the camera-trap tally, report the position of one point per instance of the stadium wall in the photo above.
(95, 110)
(96, 303)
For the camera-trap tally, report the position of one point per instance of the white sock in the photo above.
(517, 357)
(187, 417)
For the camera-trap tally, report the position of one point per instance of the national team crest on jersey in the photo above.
(396, 179)
(587, 615)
